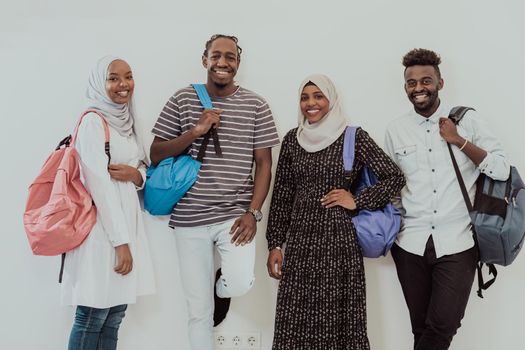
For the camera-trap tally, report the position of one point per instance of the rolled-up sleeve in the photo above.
(496, 164)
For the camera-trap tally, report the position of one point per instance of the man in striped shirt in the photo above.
(223, 206)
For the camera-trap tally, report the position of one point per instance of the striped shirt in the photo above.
(224, 186)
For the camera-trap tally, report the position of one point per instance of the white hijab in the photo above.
(318, 136)
(119, 116)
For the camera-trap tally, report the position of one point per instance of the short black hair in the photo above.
(219, 36)
(422, 57)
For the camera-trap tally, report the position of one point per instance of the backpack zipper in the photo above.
(514, 195)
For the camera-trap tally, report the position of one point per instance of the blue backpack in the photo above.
(376, 229)
(169, 181)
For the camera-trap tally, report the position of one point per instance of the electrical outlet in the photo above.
(220, 341)
(253, 340)
(238, 340)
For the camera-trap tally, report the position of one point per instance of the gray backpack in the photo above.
(498, 215)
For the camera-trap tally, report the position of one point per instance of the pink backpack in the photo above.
(59, 211)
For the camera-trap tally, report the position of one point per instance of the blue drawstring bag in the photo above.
(169, 181)
(376, 229)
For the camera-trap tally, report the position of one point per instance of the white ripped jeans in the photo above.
(195, 247)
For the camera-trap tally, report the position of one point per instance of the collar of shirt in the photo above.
(441, 112)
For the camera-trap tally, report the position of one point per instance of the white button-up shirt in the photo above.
(431, 202)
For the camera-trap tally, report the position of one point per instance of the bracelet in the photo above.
(278, 248)
(461, 148)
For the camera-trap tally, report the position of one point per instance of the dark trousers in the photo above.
(436, 291)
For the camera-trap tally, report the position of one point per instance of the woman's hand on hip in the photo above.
(275, 263)
(339, 197)
(123, 172)
(124, 259)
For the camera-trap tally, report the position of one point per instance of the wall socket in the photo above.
(237, 340)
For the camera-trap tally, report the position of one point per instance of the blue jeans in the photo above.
(96, 329)
(195, 247)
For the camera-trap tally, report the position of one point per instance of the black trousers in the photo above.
(436, 291)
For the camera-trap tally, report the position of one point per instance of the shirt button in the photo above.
(430, 149)
(435, 211)
(428, 130)
(433, 170)
(435, 191)
(433, 227)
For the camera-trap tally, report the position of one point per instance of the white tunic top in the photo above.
(89, 278)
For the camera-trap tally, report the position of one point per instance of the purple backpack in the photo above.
(376, 229)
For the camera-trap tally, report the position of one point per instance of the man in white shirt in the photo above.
(435, 254)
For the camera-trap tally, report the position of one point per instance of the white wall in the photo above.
(48, 47)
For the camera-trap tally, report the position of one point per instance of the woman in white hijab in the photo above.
(112, 266)
(321, 298)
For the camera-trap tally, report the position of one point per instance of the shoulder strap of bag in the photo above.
(349, 147)
(106, 131)
(205, 100)
(456, 115)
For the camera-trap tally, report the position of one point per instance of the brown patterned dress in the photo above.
(321, 302)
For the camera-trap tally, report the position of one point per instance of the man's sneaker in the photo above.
(222, 305)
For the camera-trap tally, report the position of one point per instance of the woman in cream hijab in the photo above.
(321, 299)
(112, 266)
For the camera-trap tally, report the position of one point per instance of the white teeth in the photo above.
(122, 93)
(312, 111)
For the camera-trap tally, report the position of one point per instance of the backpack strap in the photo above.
(61, 273)
(484, 285)
(73, 137)
(456, 115)
(205, 100)
(349, 148)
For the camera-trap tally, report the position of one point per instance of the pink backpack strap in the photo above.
(106, 130)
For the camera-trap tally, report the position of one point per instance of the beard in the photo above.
(426, 106)
(219, 84)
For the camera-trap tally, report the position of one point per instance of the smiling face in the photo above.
(222, 62)
(422, 85)
(119, 82)
(314, 104)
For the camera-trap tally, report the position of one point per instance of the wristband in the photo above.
(461, 148)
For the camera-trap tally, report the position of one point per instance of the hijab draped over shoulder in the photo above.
(119, 116)
(316, 137)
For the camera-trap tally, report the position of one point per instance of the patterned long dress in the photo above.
(321, 302)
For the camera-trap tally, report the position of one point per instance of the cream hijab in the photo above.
(318, 136)
(119, 116)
